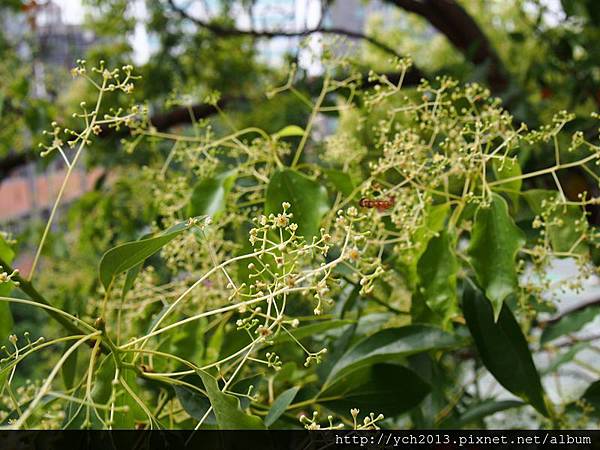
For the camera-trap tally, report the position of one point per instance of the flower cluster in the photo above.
(6, 277)
(368, 423)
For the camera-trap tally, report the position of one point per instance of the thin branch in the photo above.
(33, 294)
(577, 308)
(181, 116)
(224, 31)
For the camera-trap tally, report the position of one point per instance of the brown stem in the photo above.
(454, 22)
(226, 31)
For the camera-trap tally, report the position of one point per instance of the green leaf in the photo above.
(6, 253)
(195, 404)
(214, 344)
(227, 409)
(6, 320)
(135, 413)
(433, 222)
(311, 330)
(503, 348)
(509, 168)
(486, 408)
(382, 388)
(495, 241)
(592, 396)
(209, 195)
(103, 378)
(133, 273)
(3, 378)
(130, 278)
(475, 413)
(285, 373)
(187, 341)
(101, 394)
(126, 256)
(243, 385)
(392, 343)
(437, 270)
(341, 180)
(289, 131)
(307, 197)
(566, 223)
(69, 368)
(280, 404)
(570, 323)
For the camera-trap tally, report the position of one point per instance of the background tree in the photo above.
(444, 286)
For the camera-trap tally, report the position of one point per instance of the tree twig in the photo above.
(226, 31)
(28, 288)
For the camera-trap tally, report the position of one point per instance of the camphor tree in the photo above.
(275, 294)
(260, 291)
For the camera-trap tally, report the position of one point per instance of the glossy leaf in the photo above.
(475, 413)
(503, 348)
(280, 404)
(187, 340)
(435, 217)
(126, 256)
(285, 373)
(565, 222)
(437, 270)
(289, 131)
(592, 396)
(226, 407)
(3, 377)
(570, 323)
(215, 343)
(6, 319)
(384, 388)
(392, 343)
(243, 385)
(307, 197)
(103, 378)
(209, 195)
(69, 368)
(195, 404)
(133, 273)
(341, 180)
(130, 278)
(135, 413)
(495, 241)
(6, 253)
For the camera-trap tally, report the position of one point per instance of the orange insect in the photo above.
(380, 204)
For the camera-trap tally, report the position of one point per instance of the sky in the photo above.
(72, 10)
(306, 13)
(73, 13)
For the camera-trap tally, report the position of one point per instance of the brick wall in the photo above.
(21, 196)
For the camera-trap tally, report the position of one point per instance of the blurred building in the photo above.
(352, 14)
(41, 35)
(59, 43)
